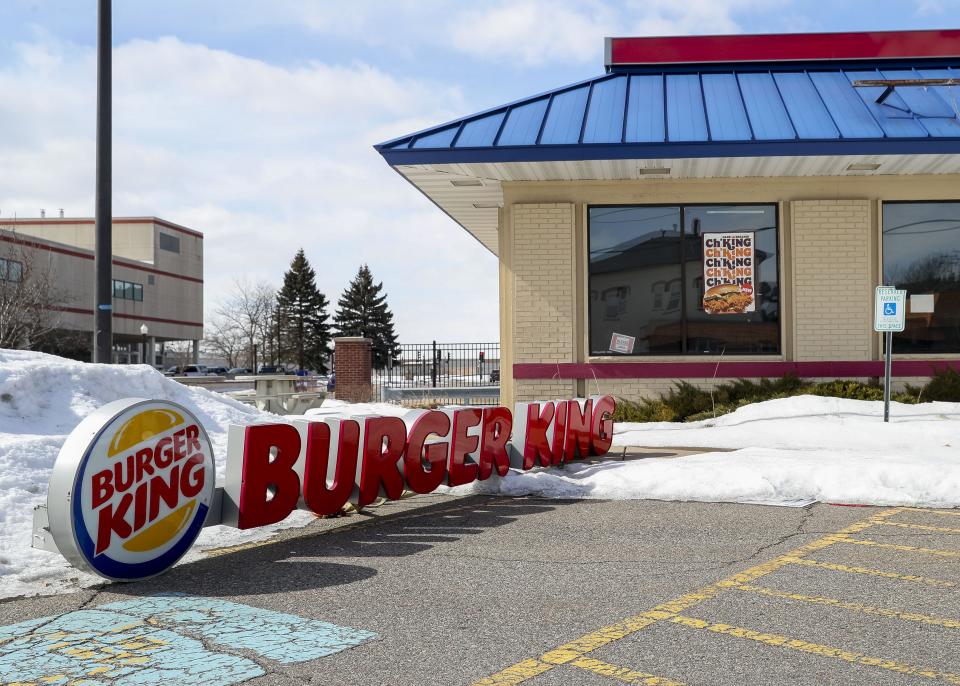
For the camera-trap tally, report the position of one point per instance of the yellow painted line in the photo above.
(854, 607)
(946, 513)
(850, 569)
(902, 548)
(923, 527)
(779, 641)
(622, 674)
(579, 647)
(516, 674)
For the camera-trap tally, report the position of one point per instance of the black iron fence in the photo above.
(429, 372)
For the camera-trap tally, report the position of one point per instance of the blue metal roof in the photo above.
(716, 111)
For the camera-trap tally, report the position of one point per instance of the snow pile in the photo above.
(42, 398)
(786, 451)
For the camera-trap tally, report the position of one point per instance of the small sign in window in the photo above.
(621, 343)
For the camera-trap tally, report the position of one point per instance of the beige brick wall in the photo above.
(543, 389)
(832, 256)
(543, 282)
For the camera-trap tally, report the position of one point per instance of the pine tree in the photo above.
(302, 313)
(363, 311)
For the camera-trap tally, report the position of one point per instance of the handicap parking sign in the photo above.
(889, 310)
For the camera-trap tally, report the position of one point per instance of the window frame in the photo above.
(882, 279)
(778, 226)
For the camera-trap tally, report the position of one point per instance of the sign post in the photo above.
(889, 315)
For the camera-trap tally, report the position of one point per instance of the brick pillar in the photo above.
(353, 364)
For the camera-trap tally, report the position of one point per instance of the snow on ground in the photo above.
(785, 452)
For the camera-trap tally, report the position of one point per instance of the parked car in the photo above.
(271, 369)
(239, 371)
(194, 370)
(494, 376)
(172, 371)
(219, 371)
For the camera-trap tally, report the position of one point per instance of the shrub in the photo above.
(944, 386)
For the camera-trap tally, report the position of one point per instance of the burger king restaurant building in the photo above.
(715, 207)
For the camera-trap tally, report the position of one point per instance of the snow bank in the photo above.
(42, 398)
(786, 451)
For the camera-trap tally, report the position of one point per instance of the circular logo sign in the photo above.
(131, 489)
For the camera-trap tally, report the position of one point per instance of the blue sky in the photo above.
(252, 121)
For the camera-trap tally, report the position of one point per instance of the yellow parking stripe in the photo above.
(854, 607)
(923, 527)
(903, 548)
(779, 641)
(947, 513)
(579, 647)
(837, 567)
(515, 674)
(622, 674)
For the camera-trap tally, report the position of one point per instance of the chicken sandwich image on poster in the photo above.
(728, 269)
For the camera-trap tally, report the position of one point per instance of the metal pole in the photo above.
(143, 349)
(887, 368)
(103, 241)
(433, 366)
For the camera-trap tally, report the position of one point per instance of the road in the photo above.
(492, 590)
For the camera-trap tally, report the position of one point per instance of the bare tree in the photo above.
(225, 339)
(30, 301)
(248, 314)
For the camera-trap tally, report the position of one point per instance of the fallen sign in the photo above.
(133, 485)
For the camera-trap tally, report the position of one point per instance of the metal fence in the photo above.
(422, 373)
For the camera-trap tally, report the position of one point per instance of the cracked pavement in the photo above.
(459, 588)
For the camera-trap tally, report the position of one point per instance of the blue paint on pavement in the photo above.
(160, 640)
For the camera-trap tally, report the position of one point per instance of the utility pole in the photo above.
(103, 241)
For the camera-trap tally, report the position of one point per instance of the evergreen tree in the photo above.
(302, 314)
(363, 311)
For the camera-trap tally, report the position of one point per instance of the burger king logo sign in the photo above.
(134, 482)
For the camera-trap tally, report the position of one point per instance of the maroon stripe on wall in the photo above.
(724, 370)
(89, 256)
(123, 315)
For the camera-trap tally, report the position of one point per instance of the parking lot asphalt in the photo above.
(494, 591)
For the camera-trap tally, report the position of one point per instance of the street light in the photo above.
(143, 344)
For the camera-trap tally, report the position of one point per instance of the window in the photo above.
(652, 258)
(127, 290)
(169, 243)
(11, 270)
(921, 254)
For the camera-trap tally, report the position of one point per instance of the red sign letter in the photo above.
(380, 463)
(536, 447)
(497, 422)
(579, 418)
(460, 471)
(601, 428)
(321, 498)
(416, 456)
(261, 475)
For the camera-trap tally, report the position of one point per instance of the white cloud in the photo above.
(262, 159)
(536, 32)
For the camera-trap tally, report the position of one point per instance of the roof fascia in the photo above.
(641, 151)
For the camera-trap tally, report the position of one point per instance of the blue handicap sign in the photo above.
(889, 309)
(164, 640)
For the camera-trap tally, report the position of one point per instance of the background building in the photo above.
(838, 154)
(157, 283)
